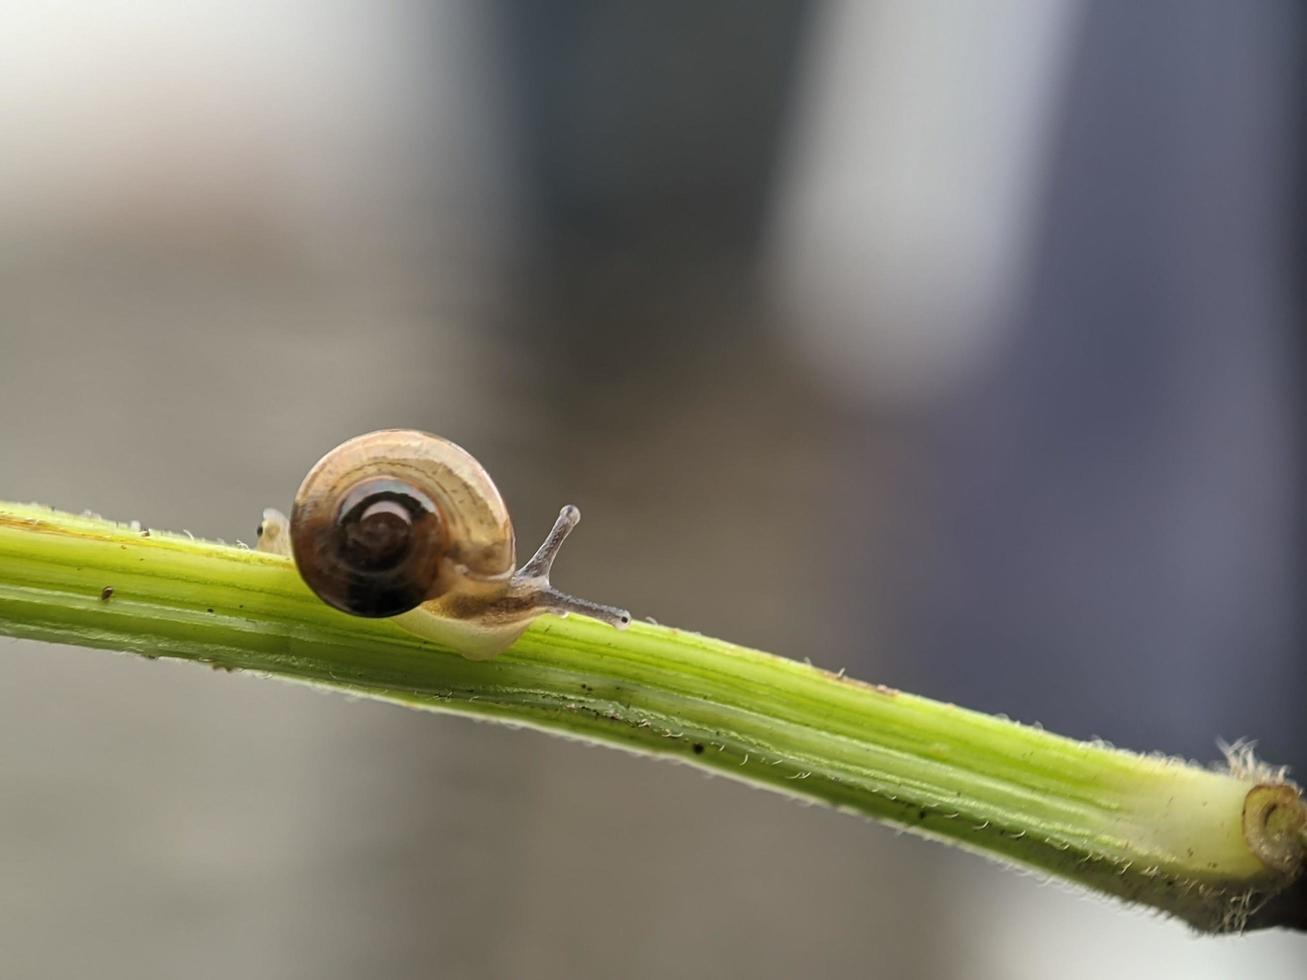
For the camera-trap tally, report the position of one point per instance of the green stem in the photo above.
(1222, 851)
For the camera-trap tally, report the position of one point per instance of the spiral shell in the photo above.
(389, 520)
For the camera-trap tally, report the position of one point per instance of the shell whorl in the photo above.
(468, 545)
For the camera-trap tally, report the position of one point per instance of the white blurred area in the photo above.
(293, 178)
(233, 235)
(907, 204)
(320, 133)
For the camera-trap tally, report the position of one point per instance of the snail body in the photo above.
(406, 525)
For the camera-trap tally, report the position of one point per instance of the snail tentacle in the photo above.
(543, 560)
(531, 582)
(551, 600)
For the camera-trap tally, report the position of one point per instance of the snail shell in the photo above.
(405, 524)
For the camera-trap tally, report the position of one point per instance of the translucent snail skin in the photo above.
(406, 525)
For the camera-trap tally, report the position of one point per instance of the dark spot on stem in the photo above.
(106, 593)
(698, 748)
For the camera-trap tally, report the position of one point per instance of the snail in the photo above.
(406, 525)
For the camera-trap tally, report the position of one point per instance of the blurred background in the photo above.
(957, 345)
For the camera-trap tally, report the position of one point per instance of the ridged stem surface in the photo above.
(1221, 851)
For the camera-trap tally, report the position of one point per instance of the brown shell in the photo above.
(467, 546)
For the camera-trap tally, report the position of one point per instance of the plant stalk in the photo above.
(1224, 851)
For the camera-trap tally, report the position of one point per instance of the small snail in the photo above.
(407, 525)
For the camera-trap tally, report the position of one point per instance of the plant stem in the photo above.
(1222, 851)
